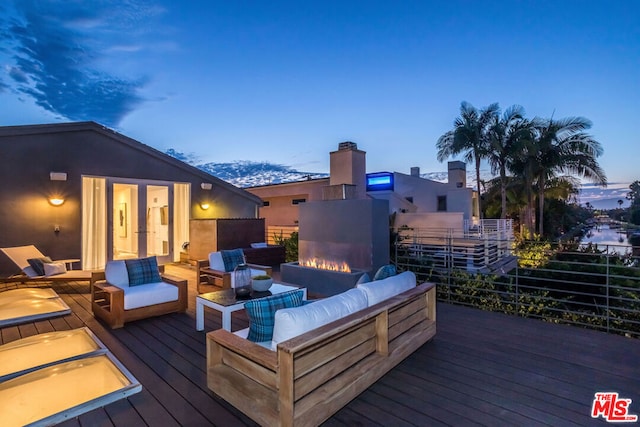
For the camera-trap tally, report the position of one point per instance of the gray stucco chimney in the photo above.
(457, 174)
(415, 171)
(347, 173)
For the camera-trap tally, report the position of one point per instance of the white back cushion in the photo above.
(116, 273)
(215, 261)
(380, 290)
(291, 322)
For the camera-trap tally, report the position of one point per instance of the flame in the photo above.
(326, 265)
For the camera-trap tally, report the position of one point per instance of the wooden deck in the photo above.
(481, 369)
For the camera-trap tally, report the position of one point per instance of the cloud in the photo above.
(58, 46)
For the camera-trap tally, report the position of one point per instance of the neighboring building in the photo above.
(436, 223)
(451, 203)
(281, 202)
(119, 198)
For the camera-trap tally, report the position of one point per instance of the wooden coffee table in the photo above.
(225, 302)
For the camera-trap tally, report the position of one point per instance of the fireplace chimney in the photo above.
(415, 171)
(457, 174)
(347, 173)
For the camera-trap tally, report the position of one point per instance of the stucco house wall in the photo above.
(30, 153)
(281, 211)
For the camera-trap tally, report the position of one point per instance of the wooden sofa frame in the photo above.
(107, 301)
(222, 279)
(312, 376)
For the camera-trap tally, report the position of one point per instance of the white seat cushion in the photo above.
(149, 294)
(116, 273)
(291, 322)
(380, 290)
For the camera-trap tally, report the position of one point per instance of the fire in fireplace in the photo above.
(323, 264)
(319, 281)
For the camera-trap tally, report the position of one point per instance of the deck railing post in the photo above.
(607, 299)
(517, 289)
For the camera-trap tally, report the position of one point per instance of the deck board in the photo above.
(481, 368)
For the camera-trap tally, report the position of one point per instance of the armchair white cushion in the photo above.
(141, 295)
(149, 294)
(116, 273)
(216, 263)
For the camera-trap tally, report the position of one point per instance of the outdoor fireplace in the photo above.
(320, 281)
(345, 227)
(350, 232)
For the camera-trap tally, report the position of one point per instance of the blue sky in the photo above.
(286, 81)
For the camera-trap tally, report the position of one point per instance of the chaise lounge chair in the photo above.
(21, 255)
(54, 377)
(29, 305)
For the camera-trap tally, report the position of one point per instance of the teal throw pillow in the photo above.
(262, 311)
(232, 258)
(143, 270)
(384, 272)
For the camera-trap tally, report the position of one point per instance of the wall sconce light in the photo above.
(206, 186)
(58, 176)
(204, 205)
(56, 201)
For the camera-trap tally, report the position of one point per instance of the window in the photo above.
(266, 203)
(379, 181)
(298, 201)
(409, 199)
(442, 203)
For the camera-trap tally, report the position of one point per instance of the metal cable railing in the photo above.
(582, 286)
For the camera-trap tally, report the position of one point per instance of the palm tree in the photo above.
(504, 134)
(469, 136)
(523, 165)
(564, 147)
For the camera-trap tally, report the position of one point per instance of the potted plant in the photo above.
(261, 283)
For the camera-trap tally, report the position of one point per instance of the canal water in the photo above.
(604, 236)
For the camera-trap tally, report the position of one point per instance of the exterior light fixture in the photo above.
(56, 201)
(58, 176)
(204, 205)
(206, 186)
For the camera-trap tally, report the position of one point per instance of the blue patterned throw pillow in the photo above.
(261, 313)
(232, 258)
(384, 272)
(143, 270)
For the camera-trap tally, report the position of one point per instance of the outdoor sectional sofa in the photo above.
(304, 379)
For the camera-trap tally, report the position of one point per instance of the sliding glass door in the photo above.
(142, 219)
(124, 219)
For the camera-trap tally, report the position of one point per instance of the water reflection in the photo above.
(603, 235)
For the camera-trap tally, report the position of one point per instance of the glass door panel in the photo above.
(125, 231)
(157, 227)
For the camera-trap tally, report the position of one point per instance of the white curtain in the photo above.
(94, 223)
(181, 215)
